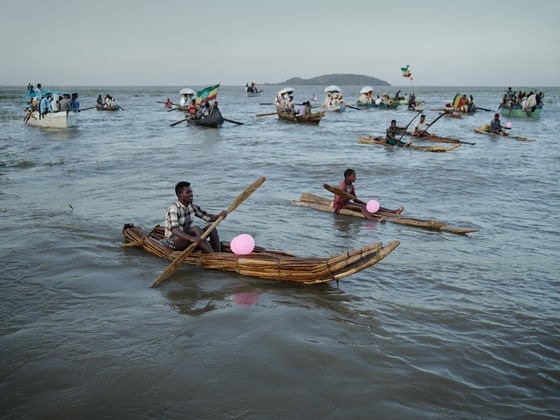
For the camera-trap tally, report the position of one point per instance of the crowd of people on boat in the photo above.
(464, 104)
(527, 101)
(45, 102)
(333, 101)
(107, 102)
(252, 88)
(198, 112)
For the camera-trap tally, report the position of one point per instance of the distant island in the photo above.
(344, 79)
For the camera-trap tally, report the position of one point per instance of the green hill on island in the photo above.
(335, 79)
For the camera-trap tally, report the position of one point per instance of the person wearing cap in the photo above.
(420, 128)
(496, 126)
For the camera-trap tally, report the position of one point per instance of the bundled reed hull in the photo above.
(481, 131)
(380, 141)
(324, 204)
(435, 138)
(313, 118)
(264, 263)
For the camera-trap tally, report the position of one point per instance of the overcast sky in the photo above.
(193, 43)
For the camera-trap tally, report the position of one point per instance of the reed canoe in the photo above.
(214, 120)
(381, 142)
(437, 138)
(313, 118)
(264, 263)
(316, 202)
(392, 105)
(519, 138)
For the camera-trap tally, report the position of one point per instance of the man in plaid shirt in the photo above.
(179, 232)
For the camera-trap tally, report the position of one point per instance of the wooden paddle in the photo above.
(120, 107)
(183, 255)
(172, 109)
(484, 109)
(432, 123)
(404, 130)
(353, 107)
(180, 121)
(85, 109)
(234, 122)
(342, 194)
(266, 115)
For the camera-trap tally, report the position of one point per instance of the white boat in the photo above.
(53, 119)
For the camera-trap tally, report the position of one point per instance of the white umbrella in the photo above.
(286, 90)
(332, 88)
(366, 89)
(187, 91)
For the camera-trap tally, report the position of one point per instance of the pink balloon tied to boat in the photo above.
(242, 244)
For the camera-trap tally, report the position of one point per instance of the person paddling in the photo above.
(419, 129)
(496, 126)
(357, 205)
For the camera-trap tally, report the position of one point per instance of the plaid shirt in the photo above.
(181, 216)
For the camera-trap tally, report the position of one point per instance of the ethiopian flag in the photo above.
(406, 72)
(207, 94)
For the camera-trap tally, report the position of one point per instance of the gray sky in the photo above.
(190, 43)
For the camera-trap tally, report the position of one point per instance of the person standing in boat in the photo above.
(419, 129)
(290, 104)
(65, 103)
(496, 126)
(179, 231)
(74, 103)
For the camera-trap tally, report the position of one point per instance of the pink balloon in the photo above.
(242, 244)
(508, 125)
(372, 206)
(233, 245)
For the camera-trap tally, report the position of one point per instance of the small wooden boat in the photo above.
(313, 118)
(108, 107)
(214, 120)
(392, 105)
(381, 141)
(519, 138)
(264, 263)
(517, 112)
(59, 119)
(324, 204)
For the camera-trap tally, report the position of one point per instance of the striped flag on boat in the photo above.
(208, 94)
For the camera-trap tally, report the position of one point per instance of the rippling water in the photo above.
(447, 326)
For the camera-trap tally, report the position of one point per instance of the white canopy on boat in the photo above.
(286, 90)
(332, 88)
(366, 89)
(187, 91)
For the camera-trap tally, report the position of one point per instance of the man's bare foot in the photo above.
(400, 210)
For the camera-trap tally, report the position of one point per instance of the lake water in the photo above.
(447, 326)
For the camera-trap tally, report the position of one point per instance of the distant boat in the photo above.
(252, 90)
(517, 112)
(313, 118)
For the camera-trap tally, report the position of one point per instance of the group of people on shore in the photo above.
(46, 102)
(526, 100)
